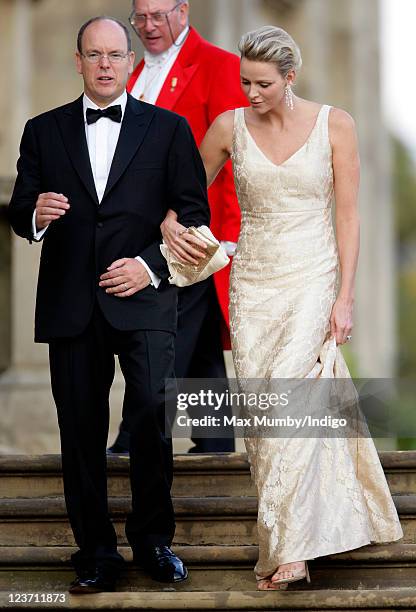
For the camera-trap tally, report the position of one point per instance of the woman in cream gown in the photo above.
(316, 496)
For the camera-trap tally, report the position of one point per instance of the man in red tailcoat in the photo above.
(186, 74)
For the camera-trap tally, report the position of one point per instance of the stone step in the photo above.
(216, 536)
(210, 556)
(215, 578)
(200, 521)
(228, 569)
(318, 600)
(222, 474)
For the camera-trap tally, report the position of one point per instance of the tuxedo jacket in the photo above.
(156, 166)
(203, 83)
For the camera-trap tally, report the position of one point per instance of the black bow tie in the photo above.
(111, 112)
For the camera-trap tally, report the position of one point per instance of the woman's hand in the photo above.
(185, 247)
(341, 319)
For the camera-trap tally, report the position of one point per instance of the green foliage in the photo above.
(351, 360)
(404, 199)
(407, 323)
(404, 194)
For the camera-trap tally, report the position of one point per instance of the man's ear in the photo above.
(132, 57)
(78, 62)
(184, 12)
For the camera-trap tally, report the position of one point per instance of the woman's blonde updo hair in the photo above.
(271, 44)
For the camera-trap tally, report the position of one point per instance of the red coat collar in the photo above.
(181, 73)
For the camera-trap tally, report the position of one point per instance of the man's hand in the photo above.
(125, 277)
(49, 207)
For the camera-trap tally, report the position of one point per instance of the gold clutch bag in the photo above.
(186, 274)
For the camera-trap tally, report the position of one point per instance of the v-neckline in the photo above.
(293, 154)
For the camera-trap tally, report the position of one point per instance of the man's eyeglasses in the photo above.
(115, 57)
(158, 19)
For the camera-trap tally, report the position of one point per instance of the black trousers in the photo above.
(82, 371)
(198, 354)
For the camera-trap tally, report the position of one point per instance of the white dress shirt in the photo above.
(156, 68)
(102, 137)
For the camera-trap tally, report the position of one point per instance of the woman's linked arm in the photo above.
(215, 151)
(346, 165)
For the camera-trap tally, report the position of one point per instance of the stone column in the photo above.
(231, 19)
(315, 50)
(28, 420)
(25, 257)
(376, 330)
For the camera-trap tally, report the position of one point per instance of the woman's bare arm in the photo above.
(215, 151)
(346, 165)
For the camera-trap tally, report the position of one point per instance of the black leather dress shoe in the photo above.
(92, 581)
(162, 564)
(212, 445)
(117, 449)
(121, 445)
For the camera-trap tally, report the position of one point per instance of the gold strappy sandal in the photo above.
(266, 584)
(297, 574)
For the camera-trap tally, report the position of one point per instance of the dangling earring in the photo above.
(289, 97)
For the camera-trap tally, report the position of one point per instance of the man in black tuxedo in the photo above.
(95, 179)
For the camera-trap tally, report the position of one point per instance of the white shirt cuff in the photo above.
(37, 235)
(229, 247)
(154, 279)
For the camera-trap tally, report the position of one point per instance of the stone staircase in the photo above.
(216, 536)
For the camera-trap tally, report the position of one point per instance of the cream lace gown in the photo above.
(316, 496)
